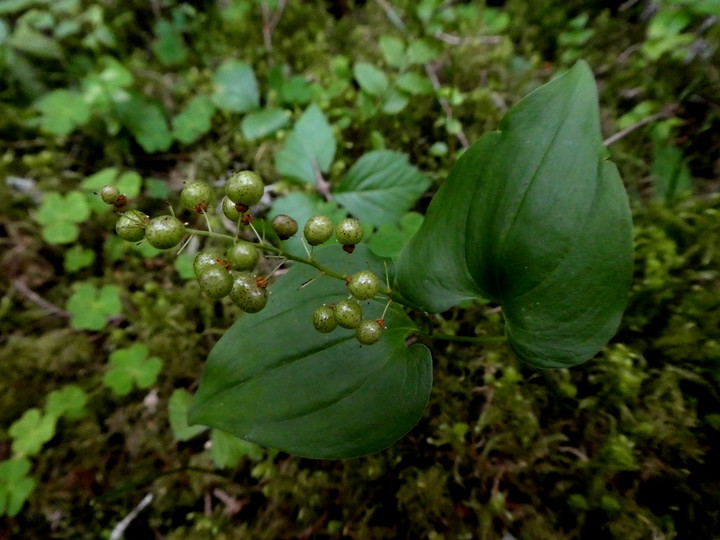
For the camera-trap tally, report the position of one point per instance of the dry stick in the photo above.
(269, 24)
(119, 531)
(667, 112)
(38, 300)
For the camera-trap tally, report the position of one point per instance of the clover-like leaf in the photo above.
(91, 307)
(62, 112)
(59, 215)
(371, 79)
(236, 89)
(272, 380)
(177, 414)
(131, 367)
(31, 431)
(258, 124)
(68, 402)
(77, 258)
(309, 148)
(15, 485)
(146, 121)
(533, 217)
(380, 187)
(194, 120)
(227, 451)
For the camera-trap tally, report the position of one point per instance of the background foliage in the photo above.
(102, 342)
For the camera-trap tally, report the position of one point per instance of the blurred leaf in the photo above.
(62, 112)
(69, 402)
(259, 124)
(59, 214)
(394, 102)
(227, 451)
(194, 120)
(32, 42)
(129, 183)
(91, 307)
(670, 172)
(413, 83)
(31, 431)
(169, 47)
(380, 187)
(421, 51)
(371, 79)
(146, 121)
(177, 415)
(393, 51)
(390, 238)
(15, 485)
(77, 258)
(308, 149)
(156, 188)
(236, 88)
(184, 266)
(131, 367)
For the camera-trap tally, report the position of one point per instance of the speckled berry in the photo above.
(368, 332)
(245, 187)
(364, 285)
(246, 294)
(243, 256)
(164, 232)
(349, 232)
(215, 281)
(230, 211)
(284, 226)
(204, 260)
(318, 229)
(348, 313)
(131, 225)
(109, 194)
(196, 196)
(324, 319)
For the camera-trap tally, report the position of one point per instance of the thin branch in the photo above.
(451, 39)
(392, 15)
(119, 531)
(667, 112)
(38, 300)
(269, 24)
(432, 75)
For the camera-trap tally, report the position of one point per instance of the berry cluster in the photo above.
(231, 273)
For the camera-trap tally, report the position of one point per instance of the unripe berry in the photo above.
(109, 194)
(204, 260)
(324, 319)
(243, 256)
(131, 226)
(246, 294)
(364, 285)
(348, 232)
(164, 232)
(284, 226)
(215, 281)
(368, 332)
(196, 196)
(230, 211)
(348, 313)
(318, 229)
(245, 187)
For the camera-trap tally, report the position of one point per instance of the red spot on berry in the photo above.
(349, 248)
(121, 201)
(262, 282)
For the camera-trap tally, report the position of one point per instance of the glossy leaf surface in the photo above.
(534, 218)
(275, 381)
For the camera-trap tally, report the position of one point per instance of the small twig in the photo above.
(323, 186)
(392, 15)
(119, 530)
(451, 39)
(432, 75)
(269, 24)
(38, 300)
(667, 112)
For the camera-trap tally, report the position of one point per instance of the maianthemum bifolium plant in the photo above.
(532, 217)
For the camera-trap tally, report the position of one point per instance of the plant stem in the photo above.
(468, 339)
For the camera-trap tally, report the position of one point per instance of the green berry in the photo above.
(204, 260)
(246, 294)
(284, 226)
(318, 229)
(131, 226)
(348, 313)
(245, 187)
(196, 196)
(324, 319)
(364, 285)
(215, 281)
(109, 194)
(229, 209)
(164, 232)
(368, 332)
(348, 232)
(243, 256)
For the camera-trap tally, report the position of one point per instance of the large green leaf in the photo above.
(533, 217)
(275, 381)
(380, 187)
(309, 148)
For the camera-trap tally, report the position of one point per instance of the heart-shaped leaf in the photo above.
(533, 217)
(275, 381)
